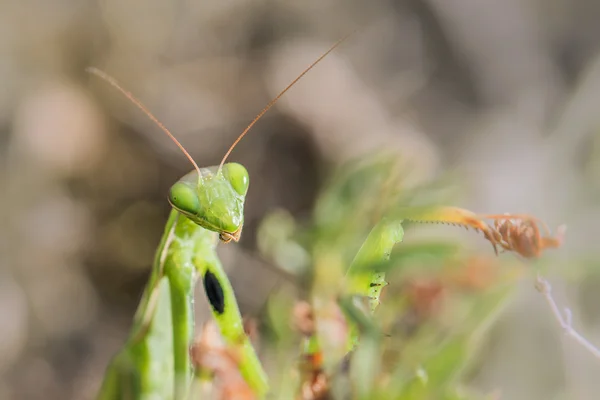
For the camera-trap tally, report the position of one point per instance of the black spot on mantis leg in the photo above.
(214, 292)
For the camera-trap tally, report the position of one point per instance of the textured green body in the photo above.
(155, 362)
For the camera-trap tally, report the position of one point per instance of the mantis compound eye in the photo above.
(237, 175)
(184, 198)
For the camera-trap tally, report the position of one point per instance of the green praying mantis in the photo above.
(207, 207)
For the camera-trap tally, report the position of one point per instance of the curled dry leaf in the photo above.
(519, 233)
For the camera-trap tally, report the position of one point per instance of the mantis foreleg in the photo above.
(191, 255)
(227, 314)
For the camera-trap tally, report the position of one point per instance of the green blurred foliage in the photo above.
(424, 338)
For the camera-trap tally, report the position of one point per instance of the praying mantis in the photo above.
(207, 207)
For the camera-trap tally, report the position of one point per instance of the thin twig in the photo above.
(543, 286)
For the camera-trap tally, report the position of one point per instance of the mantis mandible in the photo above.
(207, 207)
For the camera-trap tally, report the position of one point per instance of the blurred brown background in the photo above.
(504, 93)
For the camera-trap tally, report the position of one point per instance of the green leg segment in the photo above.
(227, 314)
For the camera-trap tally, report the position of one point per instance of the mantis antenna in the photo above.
(272, 102)
(113, 82)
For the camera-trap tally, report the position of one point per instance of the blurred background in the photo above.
(505, 95)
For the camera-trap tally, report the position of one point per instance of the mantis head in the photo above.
(213, 198)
